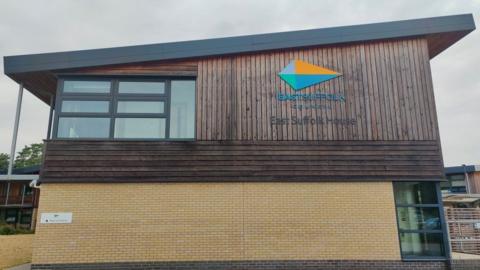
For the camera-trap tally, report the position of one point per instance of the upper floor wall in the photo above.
(384, 93)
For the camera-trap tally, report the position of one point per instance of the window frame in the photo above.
(113, 97)
(442, 230)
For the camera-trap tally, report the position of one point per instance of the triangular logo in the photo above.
(299, 74)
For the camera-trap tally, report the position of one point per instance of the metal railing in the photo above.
(16, 200)
(464, 229)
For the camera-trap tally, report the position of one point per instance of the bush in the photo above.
(7, 230)
(23, 231)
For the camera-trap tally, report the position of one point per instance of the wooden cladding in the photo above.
(128, 161)
(387, 88)
(386, 85)
(180, 68)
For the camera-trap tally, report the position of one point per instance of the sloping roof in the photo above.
(34, 70)
(241, 44)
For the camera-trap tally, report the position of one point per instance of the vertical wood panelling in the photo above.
(387, 87)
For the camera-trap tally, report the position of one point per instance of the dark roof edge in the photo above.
(240, 44)
(34, 169)
(462, 169)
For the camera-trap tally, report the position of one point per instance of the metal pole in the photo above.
(50, 117)
(15, 129)
(8, 193)
(23, 193)
(467, 179)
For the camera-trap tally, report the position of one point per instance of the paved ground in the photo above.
(20, 267)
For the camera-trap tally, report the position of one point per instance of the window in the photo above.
(83, 127)
(135, 87)
(182, 109)
(420, 223)
(140, 107)
(126, 108)
(85, 106)
(140, 128)
(86, 87)
(455, 184)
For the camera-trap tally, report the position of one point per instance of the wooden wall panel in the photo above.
(387, 86)
(123, 161)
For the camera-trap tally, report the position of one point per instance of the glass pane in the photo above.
(182, 109)
(84, 106)
(150, 128)
(418, 218)
(86, 86)
(140, 107)
(456, 177)
(141, 88)
(422, 244)
(83, 127)
(415, 193)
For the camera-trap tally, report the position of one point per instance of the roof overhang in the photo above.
(441, 33)
(462, 169)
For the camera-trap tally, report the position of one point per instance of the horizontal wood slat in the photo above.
(99, 161)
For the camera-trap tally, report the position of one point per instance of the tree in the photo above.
(29, 156)
(3, 161)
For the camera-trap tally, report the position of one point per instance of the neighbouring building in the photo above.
(313, 149)
(462, 179)
(19, 201)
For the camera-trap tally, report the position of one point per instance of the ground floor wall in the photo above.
(220, 225)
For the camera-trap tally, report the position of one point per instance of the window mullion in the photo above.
(113, 108)
(168, 88)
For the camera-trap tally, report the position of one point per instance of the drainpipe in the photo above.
(467, 180)
(15, 129)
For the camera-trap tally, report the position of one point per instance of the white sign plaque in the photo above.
(57, 218)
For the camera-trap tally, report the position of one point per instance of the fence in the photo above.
(464, 229)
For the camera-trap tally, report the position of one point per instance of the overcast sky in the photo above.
(28, 27)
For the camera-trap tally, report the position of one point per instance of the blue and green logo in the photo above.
(299, 74)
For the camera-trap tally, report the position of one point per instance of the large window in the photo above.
(420, 223)
(125, 108)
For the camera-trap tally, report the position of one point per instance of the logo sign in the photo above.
(57, 218)
(299, 74)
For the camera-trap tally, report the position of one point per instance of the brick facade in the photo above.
(218, 222)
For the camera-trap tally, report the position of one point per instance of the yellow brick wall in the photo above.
(218, 221)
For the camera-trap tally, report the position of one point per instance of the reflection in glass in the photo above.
(182, 109)
(418, 218)
(82, 127)
(141, 88)
(86, 86)
(415, 193)
(422, 244)
(85, 106)
(140, 107)
(147, 128)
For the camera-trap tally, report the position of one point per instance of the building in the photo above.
(462, 179)
(314, 149)
(19, 201)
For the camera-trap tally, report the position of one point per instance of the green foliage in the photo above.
(23, 231)
(7, 230)
(29, 156)
(3, 161)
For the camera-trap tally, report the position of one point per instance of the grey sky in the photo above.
(47, 26)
